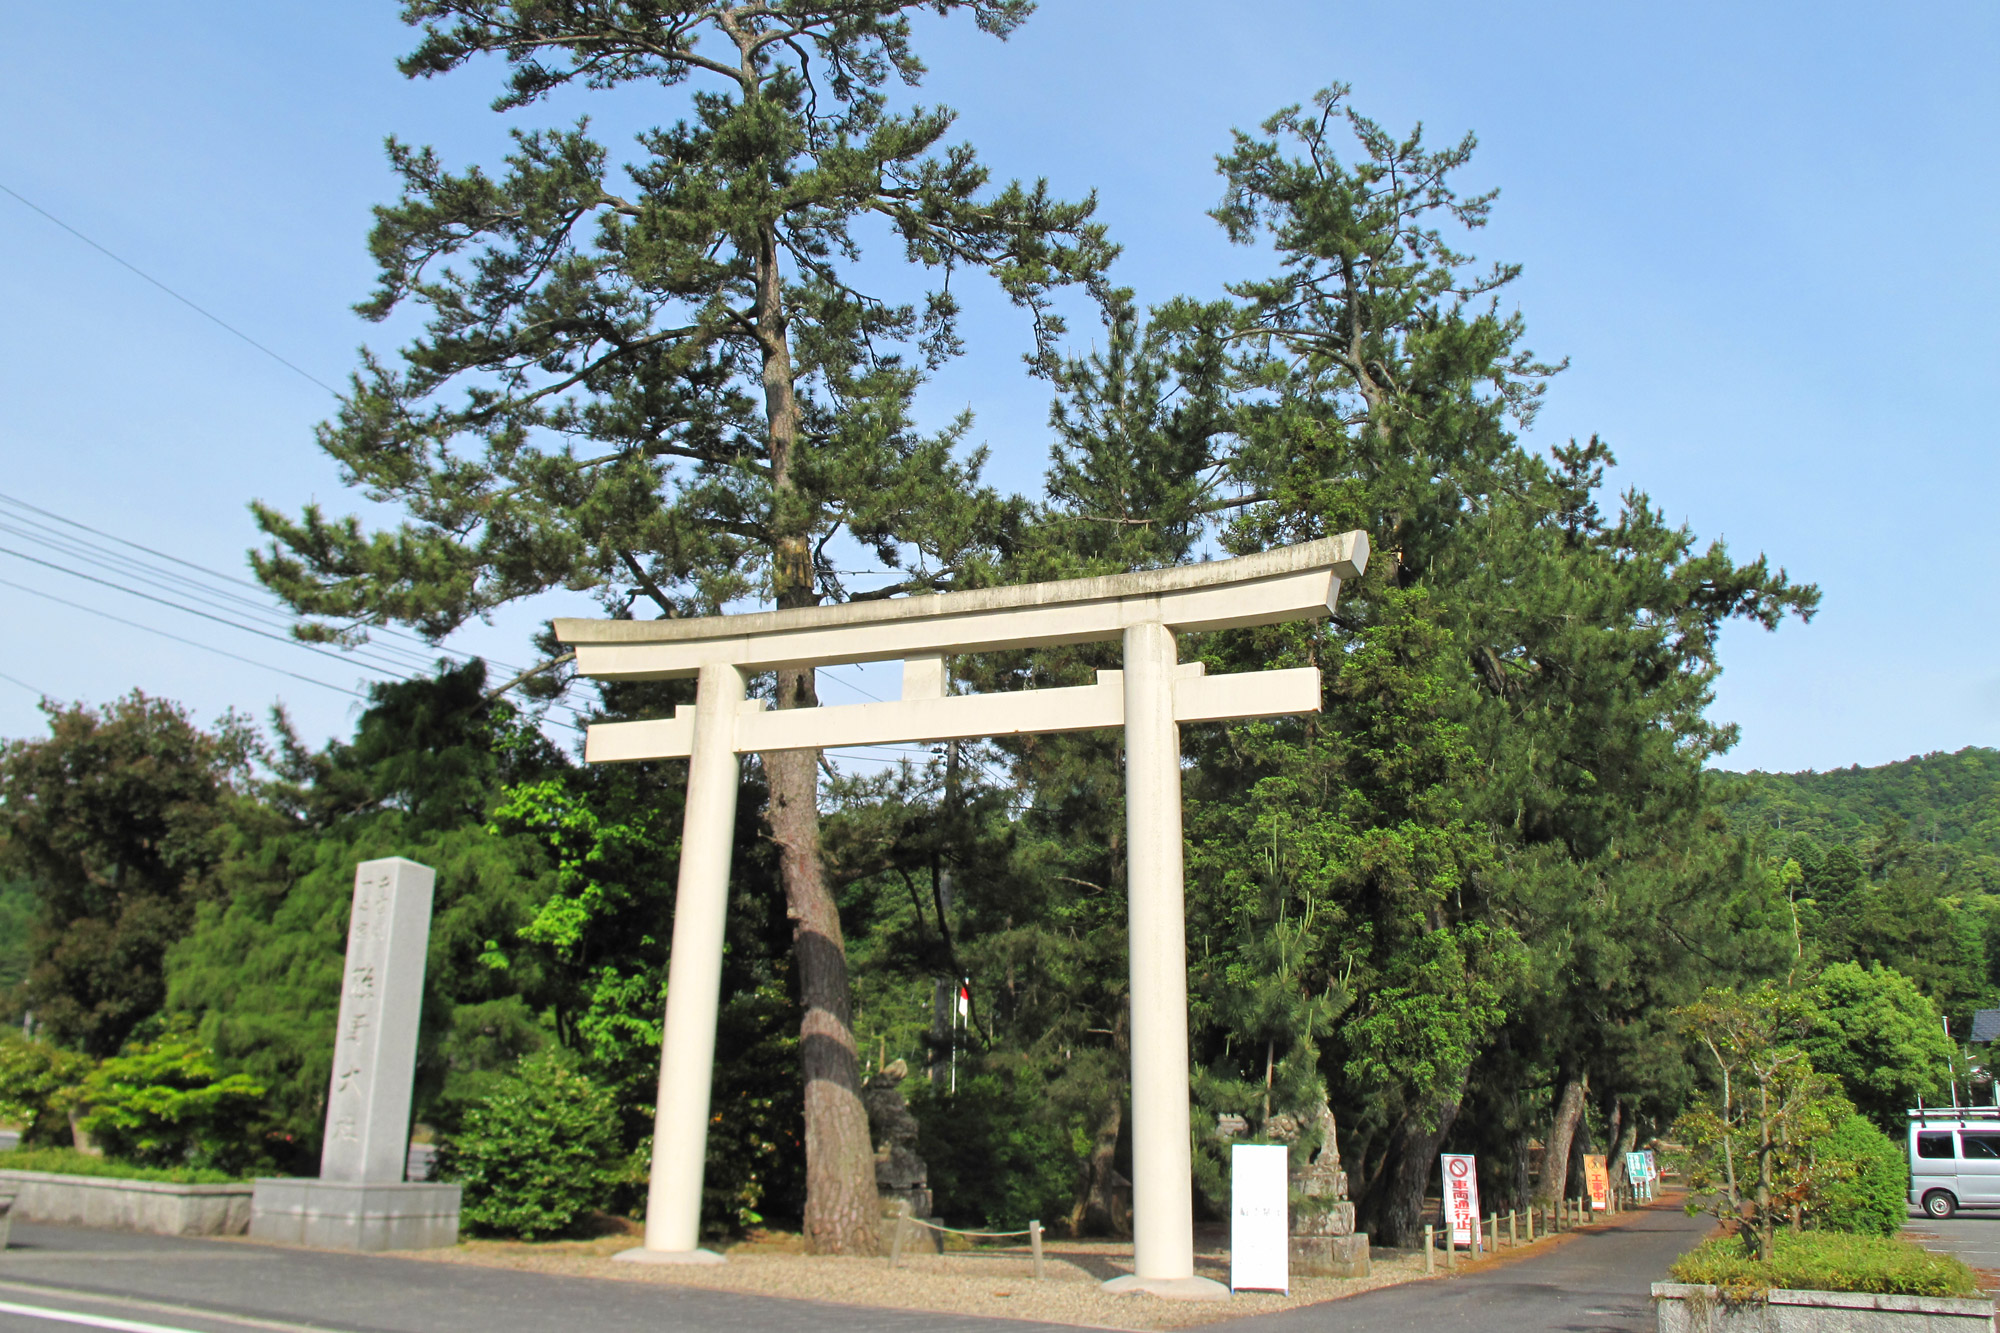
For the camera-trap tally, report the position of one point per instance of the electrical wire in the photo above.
(209, 315)
(421, 648)
(192, 643)
(15, 680)
(144, 596)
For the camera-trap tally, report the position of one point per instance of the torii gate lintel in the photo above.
(1149, 698)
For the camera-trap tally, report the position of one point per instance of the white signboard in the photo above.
(1461, 1197)
(1259, 1218)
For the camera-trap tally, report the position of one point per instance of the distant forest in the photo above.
(1946, 806)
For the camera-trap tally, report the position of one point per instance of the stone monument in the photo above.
(902, 1180)
(1323, 1240)
(361, 1200)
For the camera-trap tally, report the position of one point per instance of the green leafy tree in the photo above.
(1377, 385)
(117, 820)
(1882, 1038)
(671, 382)
(1752, 1143)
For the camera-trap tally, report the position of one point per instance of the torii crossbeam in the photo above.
(1150, 698)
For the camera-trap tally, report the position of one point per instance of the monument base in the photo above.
(1168, 1288)
(345, 1215)
(645, 1256)
(1330, 1256)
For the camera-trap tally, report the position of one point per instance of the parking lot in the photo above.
(1972, 1236)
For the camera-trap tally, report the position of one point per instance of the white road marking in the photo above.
(87, 1320)
(183, 1311)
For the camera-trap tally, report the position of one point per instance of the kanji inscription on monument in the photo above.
(375, 1046)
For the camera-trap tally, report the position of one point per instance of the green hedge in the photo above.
(70, 1162)
(1869, 1189)
(1826, 1261)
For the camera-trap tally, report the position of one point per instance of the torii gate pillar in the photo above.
(1150, 698)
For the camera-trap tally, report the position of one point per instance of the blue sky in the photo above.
(1765, 237)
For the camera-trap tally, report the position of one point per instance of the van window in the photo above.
(1934, 1145)
(1980, 1147)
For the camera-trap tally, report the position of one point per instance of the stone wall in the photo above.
(129, 1205)
(1689, 1308)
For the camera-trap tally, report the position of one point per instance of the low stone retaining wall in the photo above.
(129, 1205)
(1687, 1308)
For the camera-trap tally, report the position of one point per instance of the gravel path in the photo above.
(992, 1282)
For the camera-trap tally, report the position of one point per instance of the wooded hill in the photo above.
(1946, 802)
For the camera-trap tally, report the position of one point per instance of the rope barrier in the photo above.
(922, 1222)
(904, 1221)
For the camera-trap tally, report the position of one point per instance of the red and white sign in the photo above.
(1461, 1197)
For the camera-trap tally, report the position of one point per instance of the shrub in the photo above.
(1867, 1181)
(37, 1087)
(999, 1152)
(163, 1103)
(1826, 1261)
(70, 1162)
(537, 1154)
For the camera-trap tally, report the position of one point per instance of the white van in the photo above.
(1955, 1158)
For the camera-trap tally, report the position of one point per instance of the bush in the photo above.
(70, 1162)
(37, 1087)
(1867, 1181)
(998, 1151)
(1826, 1261)
(163, 1103)
(538, 1154)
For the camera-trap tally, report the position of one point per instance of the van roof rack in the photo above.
(1926, 1114)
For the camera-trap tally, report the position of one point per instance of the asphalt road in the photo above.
(53, 1278)
(1598, 1281)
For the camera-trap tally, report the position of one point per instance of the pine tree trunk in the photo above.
(1614, 1162)
(1579, 1144)
(1101, 1214)
(1552, 1188)
(1399, 1209)
(843, 1212)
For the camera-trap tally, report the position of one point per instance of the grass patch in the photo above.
(1826, 1261)
(70, 1162)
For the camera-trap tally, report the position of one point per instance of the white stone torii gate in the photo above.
(1149, 698)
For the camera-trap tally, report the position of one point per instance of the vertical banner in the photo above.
(1259, 1217)
(1597, 1178)
(1461, 1197)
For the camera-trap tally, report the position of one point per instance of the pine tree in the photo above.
(673, 384)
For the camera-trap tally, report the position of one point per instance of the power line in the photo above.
(422, 646)
(385, 659)
(192, 643)
(176, 606)
(209, 315)
(14, 680)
